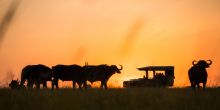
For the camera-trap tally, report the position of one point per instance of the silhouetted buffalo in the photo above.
(101, 73)
(198, 74)
(15, 84)
(36, 74)
(74, 73)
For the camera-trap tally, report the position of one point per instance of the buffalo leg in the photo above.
(37, 85)
(197, 84)
(44, 84)
(55, 83)
(30, 84)
(80, 85)
(204, 85)
(105, 85)
(102, 84)
(74, 84)
(192, 84)
(85, 84)
(52, 84)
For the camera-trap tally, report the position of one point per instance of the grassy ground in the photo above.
(112, 99)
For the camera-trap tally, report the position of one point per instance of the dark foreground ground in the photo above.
(112, 99)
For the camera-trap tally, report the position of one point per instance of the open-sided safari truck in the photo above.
(163, 76)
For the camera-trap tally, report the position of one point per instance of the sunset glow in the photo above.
(133, 33)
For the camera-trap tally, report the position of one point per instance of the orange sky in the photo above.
(133, 33)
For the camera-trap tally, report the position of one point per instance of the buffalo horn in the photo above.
(194, 62)
(209, 62)
(121, 67)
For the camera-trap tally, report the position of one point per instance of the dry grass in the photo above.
(112, 99)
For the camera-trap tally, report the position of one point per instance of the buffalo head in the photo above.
(115, 68)
(202, 63)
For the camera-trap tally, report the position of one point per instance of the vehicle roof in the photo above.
(156, 68)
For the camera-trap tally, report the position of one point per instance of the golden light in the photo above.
(128, 32)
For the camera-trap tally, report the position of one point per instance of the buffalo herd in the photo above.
(80, 75)
(40, 74)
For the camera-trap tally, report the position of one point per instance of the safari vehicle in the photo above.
(163, 76)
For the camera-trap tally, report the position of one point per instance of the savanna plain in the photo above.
(111, 99)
